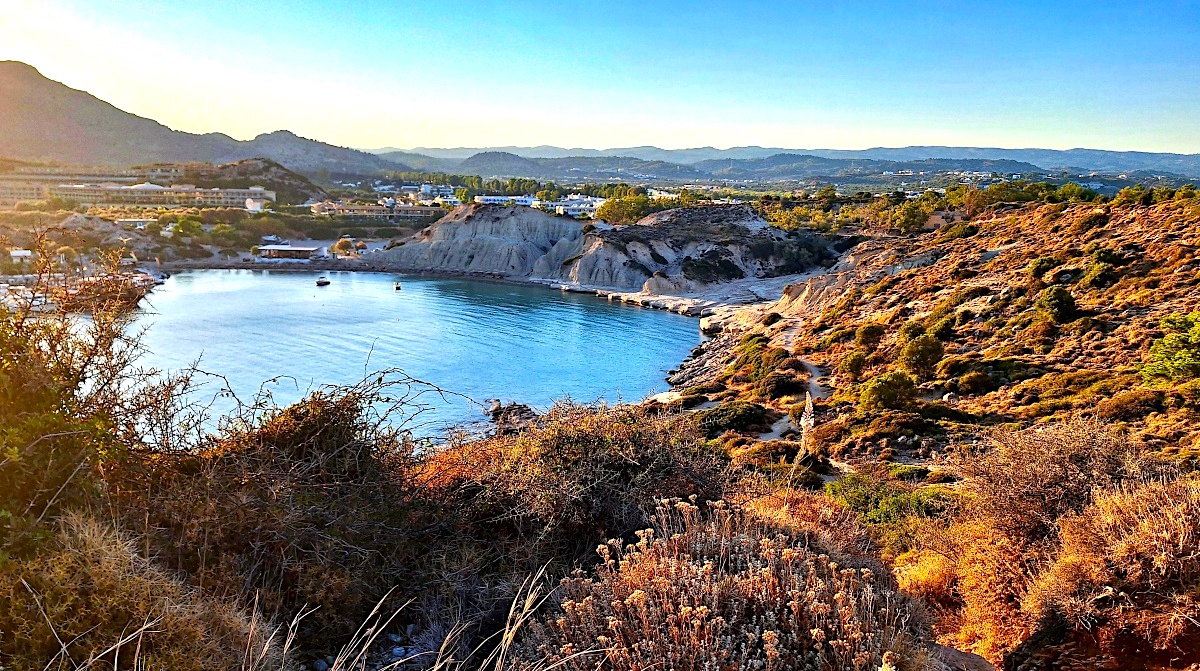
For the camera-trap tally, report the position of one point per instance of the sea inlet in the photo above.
(277, 331)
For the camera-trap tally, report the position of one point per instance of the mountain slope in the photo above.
(48, 121)
(420, 161)
(44, 120)
(789, 166)
(305, 155)
(499, 164)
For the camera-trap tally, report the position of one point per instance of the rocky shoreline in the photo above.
(715, 307)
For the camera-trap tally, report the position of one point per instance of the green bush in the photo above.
(887, 504)
(1042, 265)
(1130, 405)
(733, 416)
(921, 356)
(706, 388)
(975, 382)
(911, 330)
(777, 385)
(868, 335)
(890, 391)
(1099, 275)
(957, 231)
(1101, 254)
(943, 329)
(756, 358)
(1176, 356)
(853, 363)
(1056, 304)
(1093, 220)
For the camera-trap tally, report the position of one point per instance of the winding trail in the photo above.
(814, 372)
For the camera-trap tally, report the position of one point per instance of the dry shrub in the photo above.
(586, 472)
(829, 525)
(324, 504)
(1011, 547)
(1129, 571)
(723, 590)
(89, 601)
(991, 576)
(1032, 477)
(927, 575)
(311, 506)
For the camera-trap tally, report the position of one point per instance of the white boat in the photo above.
(322, 281)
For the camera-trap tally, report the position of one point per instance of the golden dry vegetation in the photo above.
(1044, 516)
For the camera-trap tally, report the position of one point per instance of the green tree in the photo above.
(890, 391)
(1056, 304)
(868, 335)
(909, 217)
(188, 227)
(1176, 356)
(921, 356)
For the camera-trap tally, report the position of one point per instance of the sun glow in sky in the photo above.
(374, 73)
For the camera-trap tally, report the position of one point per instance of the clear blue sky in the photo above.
(368, 73)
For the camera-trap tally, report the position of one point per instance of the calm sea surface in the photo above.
(481, 339)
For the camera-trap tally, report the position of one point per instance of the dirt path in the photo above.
(814, 372)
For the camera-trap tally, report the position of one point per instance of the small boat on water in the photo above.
(396, 285)
(322, 281)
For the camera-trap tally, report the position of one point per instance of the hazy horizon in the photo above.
(672, 76)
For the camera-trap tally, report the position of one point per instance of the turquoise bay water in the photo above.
(481, 339)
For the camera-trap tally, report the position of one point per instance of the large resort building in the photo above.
(180, 195)
(142, 186)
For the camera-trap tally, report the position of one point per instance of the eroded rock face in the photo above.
(676, 252)
(487, 239)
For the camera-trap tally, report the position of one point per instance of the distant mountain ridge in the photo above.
(42, 120)
(1045, 159)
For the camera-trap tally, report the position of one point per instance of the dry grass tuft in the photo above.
(724, 590)
(587, 472)
(1129, 571)
(88, 601)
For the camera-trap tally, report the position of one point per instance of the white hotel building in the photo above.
(153, 195)
(576, 205)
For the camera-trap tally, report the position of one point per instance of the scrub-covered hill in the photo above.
(1012, 402)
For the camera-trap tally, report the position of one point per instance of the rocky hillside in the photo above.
(674, 252)
(490, 239)
(1026, 314)
(682, 250)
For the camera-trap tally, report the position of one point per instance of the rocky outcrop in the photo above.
(682, 251)
(491, 239)
(679, 252)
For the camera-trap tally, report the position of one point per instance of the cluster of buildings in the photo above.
(136, 187)
(387, 209)
(424, 194)
(575, 205)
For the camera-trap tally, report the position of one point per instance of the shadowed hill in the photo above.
(45, 120)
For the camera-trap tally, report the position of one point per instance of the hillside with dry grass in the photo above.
(998, 461)
(995, 398)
